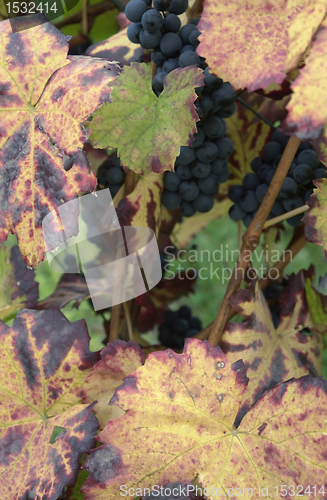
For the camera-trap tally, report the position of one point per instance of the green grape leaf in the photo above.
(148, 131)
(44, 362)
(179, 425)
(45, 98)
(272, 355)
(253, 44)
(18, 288)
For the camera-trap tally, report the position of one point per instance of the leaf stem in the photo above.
(287, 215)
(128, 320)
(255, 112)
(251, 239)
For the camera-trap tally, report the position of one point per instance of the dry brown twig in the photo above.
(251, 239)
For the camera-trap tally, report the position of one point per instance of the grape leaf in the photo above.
(260, 41)
(70, 287)
(117, 48)
(307, 112)
(118, 360)
(167, 223)
(315, 222)
(320, 145)
(156, 301)
(148, 130)
(143, 206)
(178, 425)
(45, 98)
(271, 355)
(17, 286)
(45, 360)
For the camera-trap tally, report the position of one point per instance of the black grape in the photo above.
(303, 146)
(277, 208)
(203, 203)
(157, 56)
(151, 20)
(193, 38)
(302, 174)
(134, 10)
(279, 137)
(289, 188)
(114, 188)
(195, 323)
(170, 200)
(184, 172)
(189, 190)
(212, 81)
(309, 157)
(320, 173)
(307, 195)
(207, 152)
(186, 155)
(214, 127)
(180, 326)
(178, 7)
(276, 161)
(204, 107)
(292, 203)
(161, 5)
(201, 170)
(225, 147)
(114, 175)
(188, 58)
(256, 164)
(296, 220)
(272, 150)
(227, 111)
(249, 202)
(225, 95)
(170, 65)
(235, 193)
(251, 182)
(158, 81)
(219, 166)
(185, 312)
(199, 137)
(170, 44)
(209, 185)
(236, 212)
(186, 48)
(195, 21)
(150, 40)
(270, 175)
(185, 32)
(186, 209)
(263, 171)
(248, 219)
(133, 32)
(171, 23)
(172, 181)
(260, 192)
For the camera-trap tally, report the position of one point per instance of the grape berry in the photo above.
(176, 326)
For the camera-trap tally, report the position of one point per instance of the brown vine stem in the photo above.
(84, 27)
(92, 11)
(296, 244)
(128, 320)
(280, 218)
(251, 239)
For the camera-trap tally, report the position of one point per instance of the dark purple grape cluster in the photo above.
(176, 326)
(295, 191)
(111, 174)
(151, 25)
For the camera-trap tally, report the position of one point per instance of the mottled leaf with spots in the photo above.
(255, 43)
(147, 130)
(44, 361)
(179, 425)
(117, 48)
(18, 287)
(44, 99)
(272, 355)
